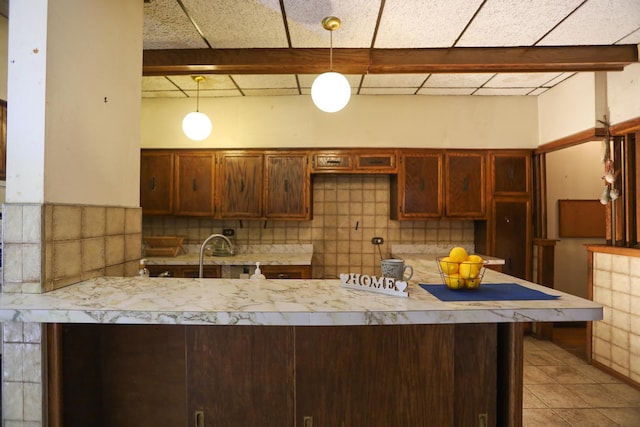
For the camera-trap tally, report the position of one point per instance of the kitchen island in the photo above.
(146, 351)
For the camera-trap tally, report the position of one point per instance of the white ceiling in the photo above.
(380, 24)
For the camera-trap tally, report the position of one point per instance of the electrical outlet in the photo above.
(228, 232)
(377, 240)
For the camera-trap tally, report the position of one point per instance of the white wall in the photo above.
(368, 121)
(624, 94)
(4, 51)
(74, 125)
(572, 106)
(572, 173)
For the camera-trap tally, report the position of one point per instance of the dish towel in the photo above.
(488, 292)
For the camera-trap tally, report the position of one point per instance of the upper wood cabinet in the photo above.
(379, 161)
(240, 185)
(194, 183)
(465, 184)
(416, 192)
(287, 185)
(156, 182)
(510, 172)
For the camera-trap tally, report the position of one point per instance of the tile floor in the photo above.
(561, 389)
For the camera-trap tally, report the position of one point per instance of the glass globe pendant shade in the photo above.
(196, 126)
(330, 92)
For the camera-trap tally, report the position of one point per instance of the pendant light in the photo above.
(196, 125)
(330, 91)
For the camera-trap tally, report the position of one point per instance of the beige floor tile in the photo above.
(625, 417)
(530, 401)
(597, 375)
(542, 358)
(566, 375)
(542, 418)
(596, 395)
(535, 375)
(557, 396)
(585, 417)
(625, 392)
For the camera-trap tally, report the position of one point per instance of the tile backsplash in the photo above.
(50, 246)
(348, 210)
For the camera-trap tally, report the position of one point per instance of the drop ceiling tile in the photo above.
(458, 80)
(596, 22)
(211, 81)
(255, 81)
(271, 92)
(503, 91)
(163, 94)
(239, 24)
(516, 80)
(358, 19)
(515, 22)
(421, 24)
(167, 27)
(157, 83)
(394, 80)
(633, 38)
(217, 93)
(445, 91)
(538, 91)
(388, 90)
(561, 77)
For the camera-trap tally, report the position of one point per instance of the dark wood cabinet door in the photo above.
(511, 173)
(375, 376)
(241, 375)
(465, 185)
(240, 188)
(156, 182)
(194, 183)
(208, 271)
(286, 271)
(287, 186)
(512, 235)
(420, 189)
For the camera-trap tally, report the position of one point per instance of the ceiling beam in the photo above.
(389, 61)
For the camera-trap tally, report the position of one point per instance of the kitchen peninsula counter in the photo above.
(159, 351)
(279, 302)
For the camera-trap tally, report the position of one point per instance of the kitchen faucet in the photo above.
(204, 244)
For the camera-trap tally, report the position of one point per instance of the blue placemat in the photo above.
(487, 292)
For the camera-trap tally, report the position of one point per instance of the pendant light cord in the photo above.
(198, 96)
(330, 50)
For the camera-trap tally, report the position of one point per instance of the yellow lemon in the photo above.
(472, 283)
(469, 270)
(458, 254)
(448, 266)
(475, 259)
(454, 281)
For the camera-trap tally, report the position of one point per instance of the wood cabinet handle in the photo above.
(195, 184)
(286, 185)
(334, 161)
(421, 184)
(511, 174)
(465, 183)
(153, 183)
(242, 185)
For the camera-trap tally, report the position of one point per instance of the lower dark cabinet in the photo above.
(377, 375)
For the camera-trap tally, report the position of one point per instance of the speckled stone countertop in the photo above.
(289, 254)
(133, 300)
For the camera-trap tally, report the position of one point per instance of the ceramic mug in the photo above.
(395, 268)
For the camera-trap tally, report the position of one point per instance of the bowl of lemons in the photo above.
(459, 270)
